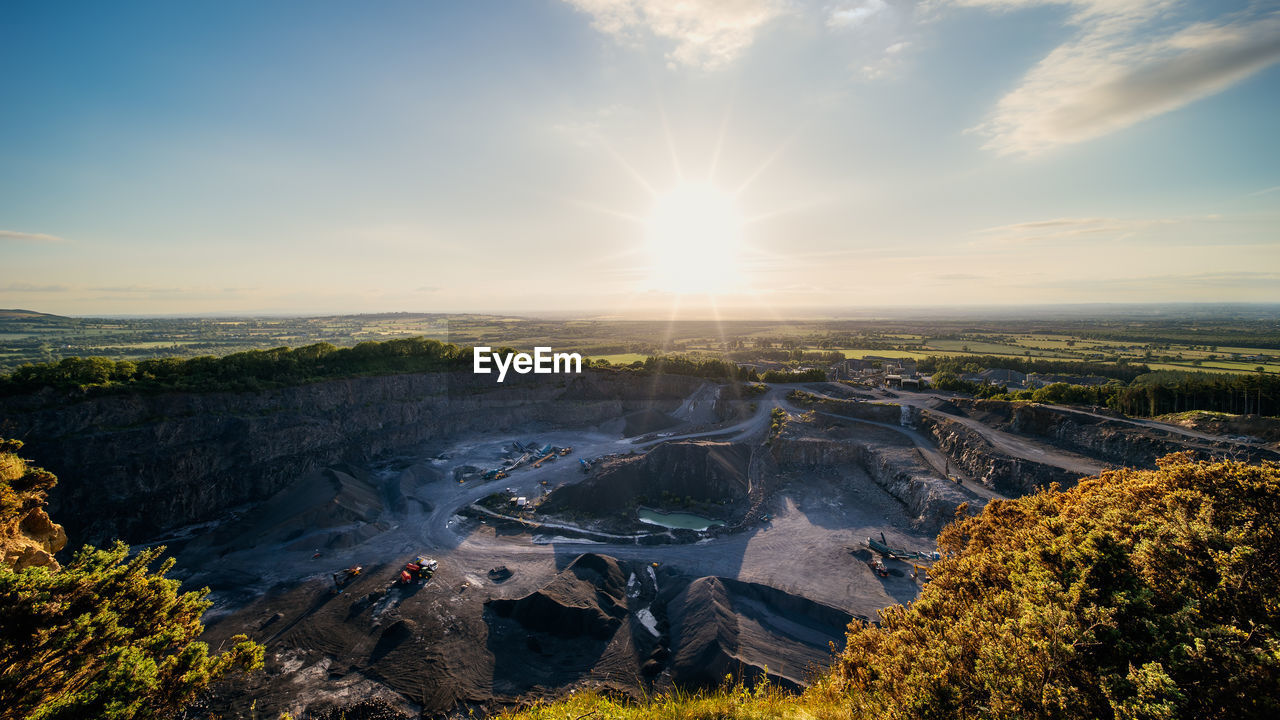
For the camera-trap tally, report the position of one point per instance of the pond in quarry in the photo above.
(684, 521)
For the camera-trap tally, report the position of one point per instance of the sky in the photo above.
(759, 157)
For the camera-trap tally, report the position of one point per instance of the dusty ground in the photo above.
(609, 612)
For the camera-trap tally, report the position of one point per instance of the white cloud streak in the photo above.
(706, 34)
(1130, 60)
(16, 236)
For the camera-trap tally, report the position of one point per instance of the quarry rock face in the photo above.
(981, 461)
(897, 471)
(134, 465)
(1093, 434)
(710, 472)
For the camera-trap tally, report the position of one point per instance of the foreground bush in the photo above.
(104, 637)
(1140, 594)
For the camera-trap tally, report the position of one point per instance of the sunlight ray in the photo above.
(768, 161)
(630, 169)
(719, 146)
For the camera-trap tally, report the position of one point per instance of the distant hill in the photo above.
(31, 315)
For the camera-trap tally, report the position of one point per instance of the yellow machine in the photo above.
(920, 572)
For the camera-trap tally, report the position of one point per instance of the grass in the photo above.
(731, 702)
(853, 353)
(620, 358)
(1195, 368)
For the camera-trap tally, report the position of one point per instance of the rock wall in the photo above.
(708, 472)
(1112, 440)
(135, 465)
(979, 460)
(898, 471)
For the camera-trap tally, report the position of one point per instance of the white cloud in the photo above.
(1129, 61)
(17, 236)
(706, 34)
(851, 15)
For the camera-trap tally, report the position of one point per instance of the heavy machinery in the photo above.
(882, 546)
(877, 566)
(586, 466)
(546, 458)
(920, 572)
(345, 576)
(418, 570)
(565, 450)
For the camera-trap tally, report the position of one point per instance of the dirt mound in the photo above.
(586, 599)
(645, 421)
(579, 625)
(395, 635)
(705, 472)
(336, 507)
(724, 627)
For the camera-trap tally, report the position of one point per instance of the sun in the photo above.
(694, 237)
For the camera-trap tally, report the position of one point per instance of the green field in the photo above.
(1172, 343)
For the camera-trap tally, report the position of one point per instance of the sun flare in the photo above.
(694, 236)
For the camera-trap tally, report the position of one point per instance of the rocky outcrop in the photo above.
(31, 541)
(135, 465)
(28, 538)
(983, 462)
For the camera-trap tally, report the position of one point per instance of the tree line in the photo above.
(1152, 394)
(249, 370)
(959, 365)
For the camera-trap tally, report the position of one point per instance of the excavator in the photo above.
(345, 576)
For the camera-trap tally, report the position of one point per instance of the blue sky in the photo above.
(315, 157)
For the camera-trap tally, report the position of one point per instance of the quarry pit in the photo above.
(556, 569)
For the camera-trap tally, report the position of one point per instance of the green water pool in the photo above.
(684, 521)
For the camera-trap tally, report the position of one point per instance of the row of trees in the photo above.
(710, 368)
(1152, 394)
(251, 370)
(826, 357)
(1121, 371)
